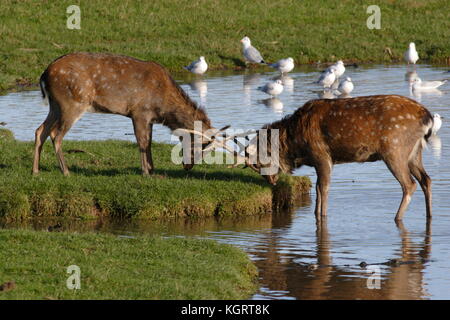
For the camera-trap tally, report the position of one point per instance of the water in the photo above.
(296, 258)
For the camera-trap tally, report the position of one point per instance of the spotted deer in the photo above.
(325, 132)
(92, 82)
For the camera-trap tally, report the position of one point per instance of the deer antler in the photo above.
(213, 137)
(193, 132)
(223, 144)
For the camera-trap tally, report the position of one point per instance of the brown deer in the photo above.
(141, 90)
(322, 133)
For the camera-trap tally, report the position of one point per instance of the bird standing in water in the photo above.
(411, 55)
(273, 88)
(283, 65)
(198, 67)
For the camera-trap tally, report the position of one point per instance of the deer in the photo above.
(106, 83)
(323, 132)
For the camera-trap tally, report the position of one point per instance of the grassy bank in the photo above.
(105, 180)
(121, 268)
(174, 33)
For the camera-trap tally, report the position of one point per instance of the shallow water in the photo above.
(296, 258)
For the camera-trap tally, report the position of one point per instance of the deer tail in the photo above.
(42, 85)
(428, 122)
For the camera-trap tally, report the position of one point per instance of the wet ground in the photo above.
(298, 259)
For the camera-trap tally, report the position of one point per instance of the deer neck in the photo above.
(287, 152)
(180, 111)
(187, 118)
(290, 145)
(284, 161)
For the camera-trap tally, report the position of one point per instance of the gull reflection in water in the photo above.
(201, 87)
(249, 81)
(436, 145)
(418, 93)
(274, 103)
(288, 82)
(344, 95)
(326, 94)
(410, 76)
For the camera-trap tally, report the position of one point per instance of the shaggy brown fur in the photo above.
(363, 129)
(141, 90)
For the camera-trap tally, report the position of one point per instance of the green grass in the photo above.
(122, 268)
(174, 33)
(106, 180)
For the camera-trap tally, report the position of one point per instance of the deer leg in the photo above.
(401, 172)
(149, 149)
(41, 135)
(417, 170)
(323, 171)
(53, 133)
(142, 133)
(317, 210)
(57, 144)
(57, 134)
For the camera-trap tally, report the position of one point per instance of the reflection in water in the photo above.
(168, 227)
(344, 95)
(326, 94)
(410, 76)
(286, 270)
(319, 278)
(418, 93)
(288, 82)
(274, 103)
(250, 81)
(201, 87)
(436, 145)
